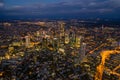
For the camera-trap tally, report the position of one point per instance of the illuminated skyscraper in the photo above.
(55, 43)
(37, 33)
(62, 29)
(67, 39)
(27, 41)
(83, 51)
(78, 41)
(72, 38)
(81, 54)
(62, 34)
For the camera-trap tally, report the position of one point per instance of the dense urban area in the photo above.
(59, 50)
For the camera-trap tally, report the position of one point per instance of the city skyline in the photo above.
(24, 9)
(59, 40)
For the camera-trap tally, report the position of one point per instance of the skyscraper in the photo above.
(62, 29)
(67, 40)
(83, 51)
(78, 41)
(62, 33)
(72, 38)
(27, 41)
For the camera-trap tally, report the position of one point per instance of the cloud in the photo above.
(1, 4)
(17, 7)
(114, 3)
(66, 7)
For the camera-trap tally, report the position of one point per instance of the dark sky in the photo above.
(18, 9)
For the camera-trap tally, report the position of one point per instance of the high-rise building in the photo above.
(83, 51)
(78, 41)
(67, 40)
(55, 43)
(37, 33)
(81, 54)
(72, 38)
(27, 41)
(62, 33)
(62, 29)
(44, 42)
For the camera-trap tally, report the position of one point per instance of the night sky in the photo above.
(18, 9)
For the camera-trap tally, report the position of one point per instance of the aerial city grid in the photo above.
(59, 39)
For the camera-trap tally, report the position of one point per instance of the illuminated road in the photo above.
(103, 44)
(112, 72)
(100, 68)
